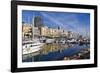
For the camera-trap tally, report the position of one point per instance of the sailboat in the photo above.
(33, 45)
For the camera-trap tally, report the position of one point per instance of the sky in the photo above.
(69, 21)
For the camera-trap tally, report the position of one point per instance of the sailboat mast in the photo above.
(32, 29)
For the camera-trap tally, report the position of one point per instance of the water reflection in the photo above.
(47, 48)
(50, 52)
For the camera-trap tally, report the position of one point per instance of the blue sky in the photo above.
(75, 22)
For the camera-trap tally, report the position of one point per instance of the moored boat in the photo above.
(30, 47)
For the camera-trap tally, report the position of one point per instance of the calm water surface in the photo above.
(51, 52)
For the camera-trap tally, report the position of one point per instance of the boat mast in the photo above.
(32, 29)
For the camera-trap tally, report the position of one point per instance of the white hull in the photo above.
(49, 40)
(32, 48)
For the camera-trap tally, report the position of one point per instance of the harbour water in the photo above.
(54, 52)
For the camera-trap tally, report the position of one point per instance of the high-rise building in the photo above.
(38, 21)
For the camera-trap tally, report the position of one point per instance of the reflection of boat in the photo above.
(81, 42)
(29, 47)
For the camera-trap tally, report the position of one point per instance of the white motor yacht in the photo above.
(30, 47)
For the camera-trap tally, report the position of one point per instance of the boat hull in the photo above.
(32, 49)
